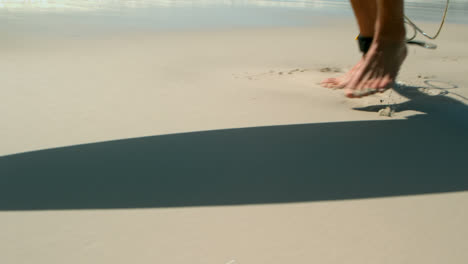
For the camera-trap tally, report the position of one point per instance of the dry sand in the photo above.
(307, 176)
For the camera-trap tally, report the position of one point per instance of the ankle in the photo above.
(391, 33)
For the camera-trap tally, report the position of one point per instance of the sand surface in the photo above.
(229, 151)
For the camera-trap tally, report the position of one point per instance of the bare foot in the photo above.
(342, 81)
(378, 70)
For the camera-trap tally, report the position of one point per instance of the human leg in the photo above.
(381, 64)
(365, 12)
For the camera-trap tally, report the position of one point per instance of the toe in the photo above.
(352, 93)
(384, 84)
(329, 83)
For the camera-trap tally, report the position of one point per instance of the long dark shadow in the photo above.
(310, 162)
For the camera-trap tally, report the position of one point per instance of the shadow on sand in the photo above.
(310, 162)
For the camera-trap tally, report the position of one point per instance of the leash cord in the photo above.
(417, 29)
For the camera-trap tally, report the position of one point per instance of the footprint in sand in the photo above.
(330, 69)
(426, 77)
(271, 73)
(432, 92)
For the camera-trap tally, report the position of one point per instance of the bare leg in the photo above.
(366, 14)
(381, 64)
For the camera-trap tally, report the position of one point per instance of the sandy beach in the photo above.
(220, 146)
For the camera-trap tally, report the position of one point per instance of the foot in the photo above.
(342, 81)
(378, 70)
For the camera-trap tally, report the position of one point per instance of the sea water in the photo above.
(183, 14)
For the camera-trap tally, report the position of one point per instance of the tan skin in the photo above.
(365, 12)
(378, 69)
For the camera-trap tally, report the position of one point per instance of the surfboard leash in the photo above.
(365, 42)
